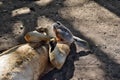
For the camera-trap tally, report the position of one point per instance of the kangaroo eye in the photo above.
(58, 23)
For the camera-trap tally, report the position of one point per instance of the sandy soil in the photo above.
(96, 21)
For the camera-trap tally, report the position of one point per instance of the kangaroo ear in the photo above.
(82, 43)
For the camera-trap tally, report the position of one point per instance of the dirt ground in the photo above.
(96, 21)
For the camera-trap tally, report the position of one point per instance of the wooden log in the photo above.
(24, 62)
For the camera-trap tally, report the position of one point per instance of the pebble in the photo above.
(20, 11)
(1, 3)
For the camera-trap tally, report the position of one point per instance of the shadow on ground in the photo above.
(113, 6)
(110, 67)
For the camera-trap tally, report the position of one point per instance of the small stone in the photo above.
(1, 3)
(24, 10)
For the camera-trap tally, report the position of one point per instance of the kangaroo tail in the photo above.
(80, 42)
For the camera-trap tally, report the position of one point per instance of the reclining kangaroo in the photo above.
(31, 60)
